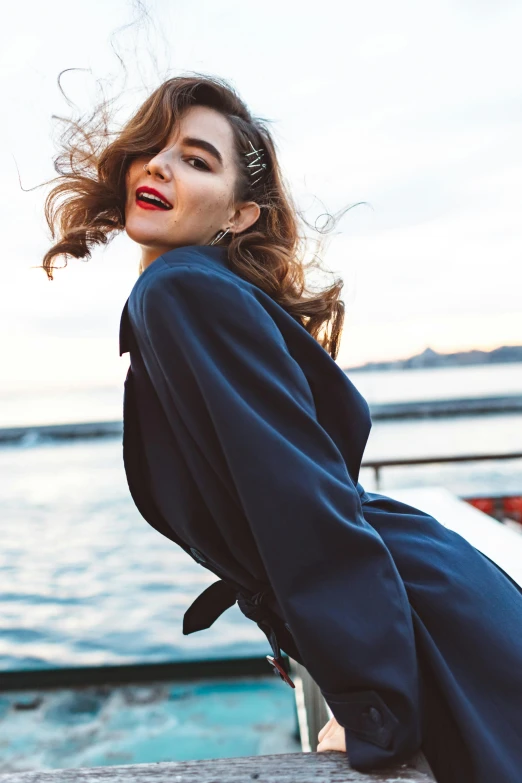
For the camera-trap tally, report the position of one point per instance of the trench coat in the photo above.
(242, 443)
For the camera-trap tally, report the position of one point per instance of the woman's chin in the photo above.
(150, 236)
(146, 236)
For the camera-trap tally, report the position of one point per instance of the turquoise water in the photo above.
(138, 724)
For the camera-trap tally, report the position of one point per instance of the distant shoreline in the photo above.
(429, 358)
(422, 409)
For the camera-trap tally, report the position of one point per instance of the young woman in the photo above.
(243, 441)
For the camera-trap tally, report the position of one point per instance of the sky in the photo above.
(414, 108)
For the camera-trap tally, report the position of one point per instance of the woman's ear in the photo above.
(245, 216)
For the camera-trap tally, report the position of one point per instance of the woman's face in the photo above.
(195, 173)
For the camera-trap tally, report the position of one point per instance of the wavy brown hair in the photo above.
(86, 206)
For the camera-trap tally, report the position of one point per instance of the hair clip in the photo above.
(255, 165)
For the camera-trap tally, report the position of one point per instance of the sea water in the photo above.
(85, 581)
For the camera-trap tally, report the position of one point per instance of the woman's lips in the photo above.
(146, 205)
(150, 196)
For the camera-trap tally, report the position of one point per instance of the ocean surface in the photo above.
(85, 581)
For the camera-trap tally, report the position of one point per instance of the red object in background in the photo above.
(487, 505)
(513, 508)
(499, 507)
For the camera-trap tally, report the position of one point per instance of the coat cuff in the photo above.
(374, 736)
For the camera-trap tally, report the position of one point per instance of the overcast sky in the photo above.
(413, 107)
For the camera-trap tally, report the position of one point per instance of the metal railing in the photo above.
(378, 464)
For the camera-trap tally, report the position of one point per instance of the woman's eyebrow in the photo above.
(190, 141)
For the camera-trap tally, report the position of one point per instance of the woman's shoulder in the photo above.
(191, 265)
(197, 280)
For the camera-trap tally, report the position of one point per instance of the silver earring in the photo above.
(219, 236)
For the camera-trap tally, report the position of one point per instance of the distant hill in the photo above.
(430, 358)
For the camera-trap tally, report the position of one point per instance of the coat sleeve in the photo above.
(332, 575)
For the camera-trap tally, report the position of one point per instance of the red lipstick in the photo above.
(150, 198)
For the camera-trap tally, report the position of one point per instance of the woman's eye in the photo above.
(198, 160)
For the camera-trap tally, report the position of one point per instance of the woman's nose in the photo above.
(158, 167)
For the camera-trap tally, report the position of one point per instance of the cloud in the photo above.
(413, 108)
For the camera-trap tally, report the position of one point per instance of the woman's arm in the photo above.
(214, 353)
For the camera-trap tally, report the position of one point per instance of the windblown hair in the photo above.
(86, 206)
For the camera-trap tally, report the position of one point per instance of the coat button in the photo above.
(375, 716)
(196, 554)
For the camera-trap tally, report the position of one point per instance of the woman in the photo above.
(243, 441)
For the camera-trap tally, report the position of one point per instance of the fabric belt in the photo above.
(208, 606)
(219, 597)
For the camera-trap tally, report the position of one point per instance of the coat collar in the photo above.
(212, 253)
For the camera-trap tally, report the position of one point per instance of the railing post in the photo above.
(313, 711)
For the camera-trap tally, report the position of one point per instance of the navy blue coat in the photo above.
(243, 441)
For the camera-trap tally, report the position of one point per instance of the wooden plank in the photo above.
(330, 767)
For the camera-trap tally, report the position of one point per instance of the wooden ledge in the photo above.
(327, 767)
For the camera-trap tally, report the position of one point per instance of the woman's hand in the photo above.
(331, 737)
